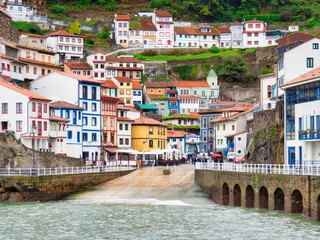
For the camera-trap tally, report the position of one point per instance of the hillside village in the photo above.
(102, 108)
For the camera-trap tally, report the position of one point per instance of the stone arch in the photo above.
(263, 198)
(296, 202)
(237, 196)
(249, 197)
(278, 199)
(318, 208)
(225, 194)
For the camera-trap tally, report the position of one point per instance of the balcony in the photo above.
(309, 135)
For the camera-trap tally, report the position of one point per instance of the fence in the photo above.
(313, 170)
(62, 170)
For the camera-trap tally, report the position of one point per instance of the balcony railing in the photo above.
(309, 135)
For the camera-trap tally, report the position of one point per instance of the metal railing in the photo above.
(313, 170)
(63, 170)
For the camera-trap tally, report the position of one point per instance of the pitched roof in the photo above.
(240, 111)
(148, 121)
(123, 79)
(124, 119)
(62, 33)
(176, 134)
(22, 91)
(254, 21)
(136, 84)
(231, 135)
(108, 84)
(28, 60)
(212, 32)
(82, 66)
(41, 50)
(295, 37)
(120, 59)
(33, 35)
(171, 91)
(58, 119)
(125, 68)
(148, 26)
(223, 30)
(187, 30)
(195, 114)
(236, 23)
(122, 17)
(188, 96)
(313, 74)
(163, 14)
(79, 77)
(63, 104)
(193, 84)
(159, 84)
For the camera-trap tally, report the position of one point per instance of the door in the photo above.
(4, 126)
(291, 156)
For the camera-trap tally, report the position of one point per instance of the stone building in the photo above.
(7, 31)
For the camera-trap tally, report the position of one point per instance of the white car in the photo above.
(231, 156)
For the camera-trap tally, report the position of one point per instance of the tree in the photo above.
(105, 32)
(58, 10)
(35, 29)
(75, 28)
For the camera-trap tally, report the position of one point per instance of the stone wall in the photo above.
(13, 154)
(7, 31)
(47, 188)
(240, 94)
(233, 188)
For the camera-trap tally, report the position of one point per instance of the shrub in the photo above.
(266, 71)
(186, 71)
(90, 42)
(214, 49)
(58, 10)
(121, 53)
(35, 29)
(149, 52)
(175, 52)
(105, 33)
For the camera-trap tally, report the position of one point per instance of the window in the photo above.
(79, 40)
(4, 108)
(66, 48)
(84, 92)
(121, 141)
(250, 25)
(105, 122)
(256, 34)
(232, 127)
(19, 126)
(85, 137)
(94, 137)
(45, 108)
(300, 124)
(312, 122)
(309, 62)
(121, 92)
(256, 42)
(85, 121)
(151, 143)
(151, 130)
(34, 70)
(224, 127)
(94, 121)
(126, 127)
(19, 108)
(128, 92)
(78, 136)
(204, 122)
(94, 92)
(203, 93)
(249, 42)
(69, 134)
(249, 34)
(112, 123)
(127, 141)
(85, 105)
(120, 126)
(315, 46)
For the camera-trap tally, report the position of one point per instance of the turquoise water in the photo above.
(148, 219)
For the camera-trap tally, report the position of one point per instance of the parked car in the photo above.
(239, 159)
(231, 156)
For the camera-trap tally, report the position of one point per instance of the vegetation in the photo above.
(186, 71)
(58, 10)
(75, 28)
(105, 32)
(27, 27)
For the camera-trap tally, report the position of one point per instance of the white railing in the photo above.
(62, 170)
(313, 170)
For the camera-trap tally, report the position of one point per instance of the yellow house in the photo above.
(124, 90)
(148, 134)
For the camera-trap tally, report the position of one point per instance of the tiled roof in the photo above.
(82, 66)
(294, 37)
(159, 84)
(223, 30)
(236, 23)
(33, 35)
(41, 50)
(148, 121)
(314, 74)
(122, 17)
(163, 14)
(193, 84)
(231, 135)
(266, 75)
(120, 59)
(136, 84)
(6, 57)
(187, 30)
(195, 114)
(22, 91)
(213, 32)
(125, 68)
(62, 33)
(176, 134)
(123, 79)
(63, 104)
(171, 91)
(173, 99)
(254, 21)
(158, 96)
(79, 77)
(58, 119)
(124, 119)
(240, 110)
(28, 60)
(188, 96)
(108, 84)
(148, 26)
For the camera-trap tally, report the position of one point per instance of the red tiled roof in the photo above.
(195, 114)
(236, 23)
(125, 68)
(28, 60)
(193, 84)
(294, 37)
(108, 84)
(148, 26)
(33, 35)
(254, 21)
(136, 84)
(79, 77)
(213, 32)
(59, 119)
(22, 91)
(148, 121)
(63, 104)
(223, 30)
(176, 134)
(266, 75)
(122, 17)
(41, 50)
(187, 30)
(82, 66)
(188, 96)
(6, 57)
(120, 59)
(163, 14)
(123, 79)
(231, 135)
(159, 84)
(171, 91)
(240, 110)
(124, 119)
(123, 108)
(313, 74)
(163, 22)
(62, 33)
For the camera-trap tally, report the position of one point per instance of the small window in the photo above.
(309, 62)
(315, 46)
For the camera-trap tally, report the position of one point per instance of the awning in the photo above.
(111, 150)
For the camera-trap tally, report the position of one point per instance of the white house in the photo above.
(58, 135)
(24, 11)
(124, 128)
(24, 113)
(120, 29)
(136, 92)
(208, 37)
(236, 29)
(186, 37)
(297, 61)
(83, 92)
(165, 28)
(293, 28)
(67, 45)
(302, 119)
(73, 114)
(254, 34)
(267, 84)
(176, 140)
(224, 37)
